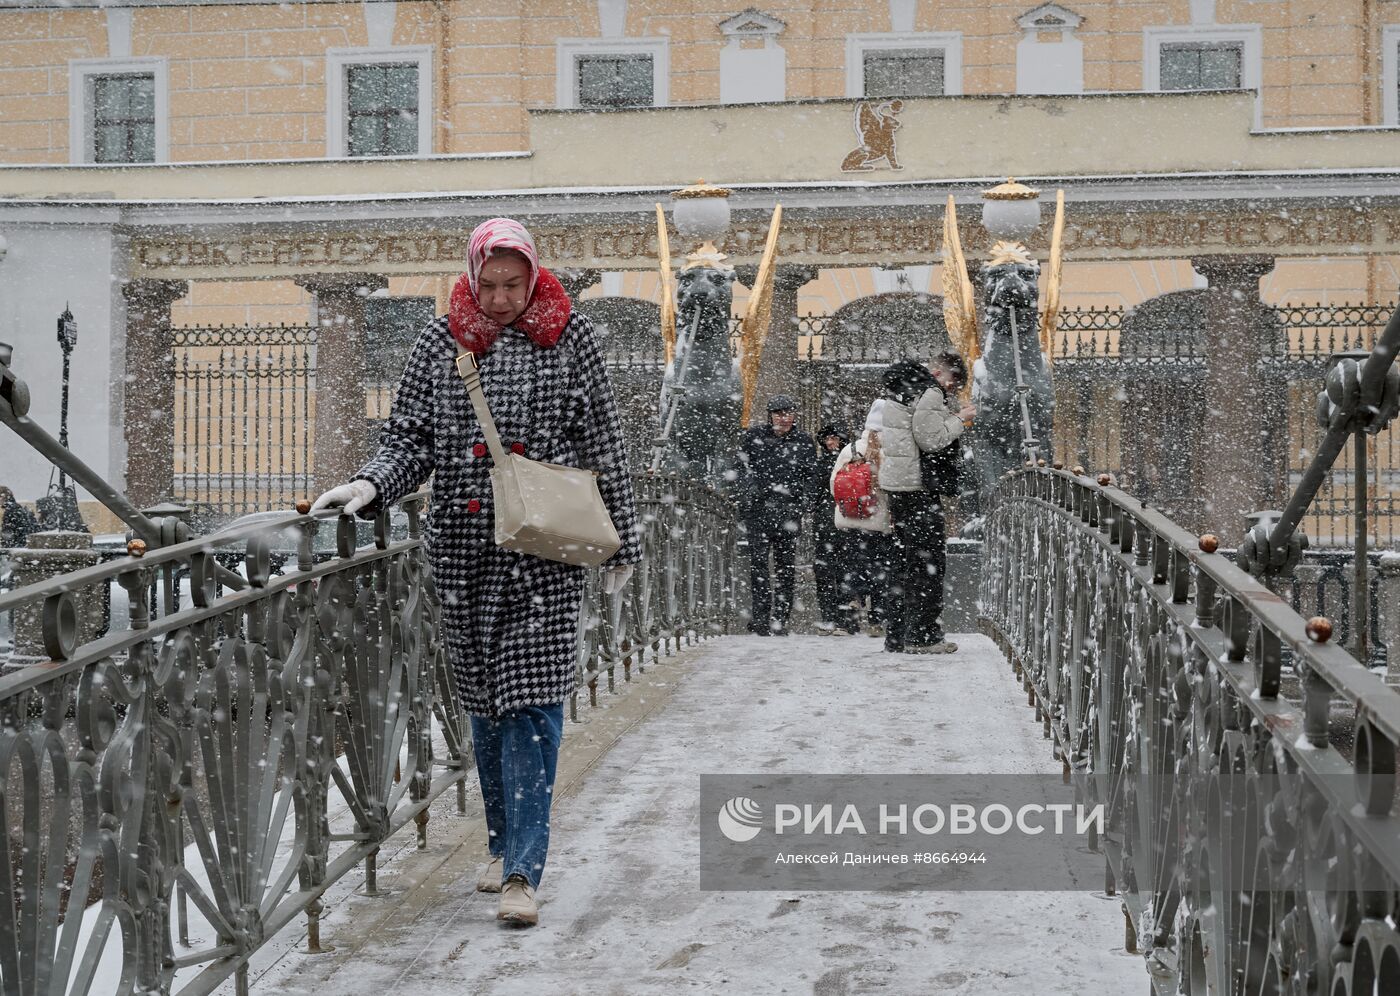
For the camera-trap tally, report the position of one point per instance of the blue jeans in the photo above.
(515, 760)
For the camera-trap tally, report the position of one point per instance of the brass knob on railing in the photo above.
(1058, 465)
(136, 548)
(1209, 542)
(1040, 462)
(1319, 629)
(1077, 470)
(1105, 480)
(303, 507)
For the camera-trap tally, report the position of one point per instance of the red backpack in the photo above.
(854, 491)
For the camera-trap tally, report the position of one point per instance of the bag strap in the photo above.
(471, 377)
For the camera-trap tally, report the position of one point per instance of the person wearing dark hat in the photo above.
(831, 558)
(776, 485)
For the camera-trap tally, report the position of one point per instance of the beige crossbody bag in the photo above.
(543, 509)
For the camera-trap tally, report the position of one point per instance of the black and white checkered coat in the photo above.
(510, 621)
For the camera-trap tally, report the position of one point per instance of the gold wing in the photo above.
(1050, 314)
(668, 294)
(959, 304)
(754, 329)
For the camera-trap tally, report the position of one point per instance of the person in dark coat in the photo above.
(16, 521)
(510, 621)
(776, 486)
(832, 547)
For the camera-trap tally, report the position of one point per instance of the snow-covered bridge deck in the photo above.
(621, 908)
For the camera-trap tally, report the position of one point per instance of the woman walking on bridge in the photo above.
(510, 620)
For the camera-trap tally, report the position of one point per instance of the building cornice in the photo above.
(1097, 192)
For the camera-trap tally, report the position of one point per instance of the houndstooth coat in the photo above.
(509, 620)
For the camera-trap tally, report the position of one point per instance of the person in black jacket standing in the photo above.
(777, 484)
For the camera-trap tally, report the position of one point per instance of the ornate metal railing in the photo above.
(180, 772)
(1311, 332)
(1248, 764)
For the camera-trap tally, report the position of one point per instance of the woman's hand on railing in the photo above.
(351, 497)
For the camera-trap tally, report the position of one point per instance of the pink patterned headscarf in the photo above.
(493, 236)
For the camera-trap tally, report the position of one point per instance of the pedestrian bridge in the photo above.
(261, 781)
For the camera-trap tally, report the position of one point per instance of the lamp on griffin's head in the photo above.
(701, 213)
(1011, 210)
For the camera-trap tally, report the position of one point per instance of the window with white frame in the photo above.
(381, 115)
(117, 111)
(904, 65)
(123, 118)
(379, 102)
(1210, 57)
(615, 80)
(903, 72)
(612, 72)
(1204, 57)
(1205, 65)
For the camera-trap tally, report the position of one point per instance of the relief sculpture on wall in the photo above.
(875, 124)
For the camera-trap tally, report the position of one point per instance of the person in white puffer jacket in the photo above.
(916, 420)
(918, 423)
(872, 536)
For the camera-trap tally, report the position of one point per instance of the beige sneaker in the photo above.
(490, 878)
(941, 647)
(518, 904)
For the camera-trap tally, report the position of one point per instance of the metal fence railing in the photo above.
(1245, 760)
(245, 400)
(168, 787)
(244, 418)
(1103, 391)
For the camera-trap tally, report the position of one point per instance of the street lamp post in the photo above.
(59, 508)
(67, 341)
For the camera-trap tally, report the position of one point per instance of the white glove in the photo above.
(351, 497)
(616, 578)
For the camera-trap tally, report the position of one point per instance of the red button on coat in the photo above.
(517, 448)
(473, 506)
(479, 450)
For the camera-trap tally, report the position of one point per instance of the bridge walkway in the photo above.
(621, 908)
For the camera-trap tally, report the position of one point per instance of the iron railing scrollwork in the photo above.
(1247, 763)
(186, 765)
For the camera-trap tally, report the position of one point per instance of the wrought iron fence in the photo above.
(244, 416)
(1246, 763)
(165, 789)
(1101, 388)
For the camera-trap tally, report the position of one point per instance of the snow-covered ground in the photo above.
(621, 909)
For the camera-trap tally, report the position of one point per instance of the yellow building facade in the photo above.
(247, 164)
(267, 81)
